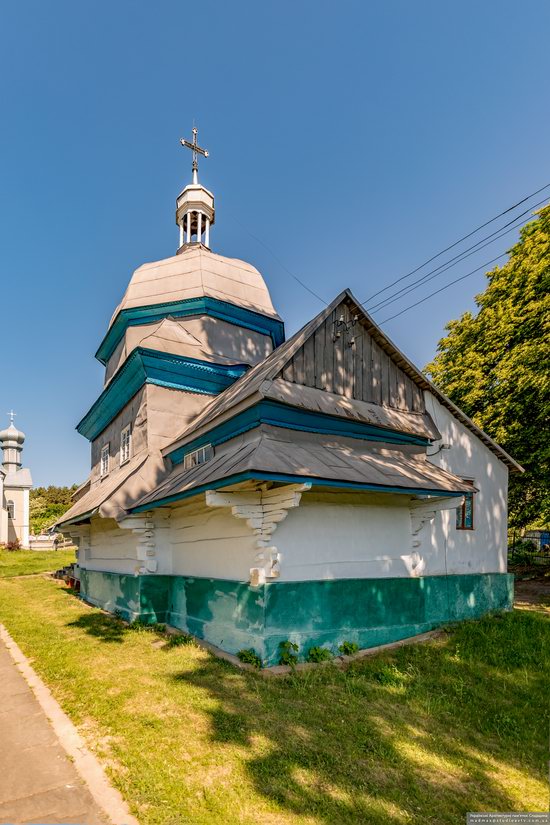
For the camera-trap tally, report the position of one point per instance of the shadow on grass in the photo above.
(100, 626)
(109, 628)
(422, 734)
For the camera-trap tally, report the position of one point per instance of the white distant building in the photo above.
(252, 490)
(15, 484)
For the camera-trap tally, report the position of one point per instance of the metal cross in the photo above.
(11, 415)
(197, 150)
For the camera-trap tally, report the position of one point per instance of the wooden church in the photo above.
(253, 490)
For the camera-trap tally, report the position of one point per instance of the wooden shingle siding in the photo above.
(319, 354)
(343, 358)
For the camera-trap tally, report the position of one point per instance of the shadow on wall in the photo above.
(378, 744)
(236, 342)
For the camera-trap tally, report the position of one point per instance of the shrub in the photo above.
(319, 654)
(180, 639)
(523, 552)
(13, 545)
(250, 657)
(348, 648)
(523, 546)
(288, 653)
(139, 624)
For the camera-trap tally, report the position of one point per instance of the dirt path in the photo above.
(533, 594)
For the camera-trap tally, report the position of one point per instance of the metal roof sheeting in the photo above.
(273, 450)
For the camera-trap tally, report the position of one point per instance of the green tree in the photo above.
(47, 504)
(495, 366)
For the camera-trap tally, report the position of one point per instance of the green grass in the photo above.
(419, 735)
(26, 562)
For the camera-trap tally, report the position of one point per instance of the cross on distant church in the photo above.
(11, 415)
(197, 150)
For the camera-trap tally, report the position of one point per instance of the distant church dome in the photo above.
(11, 433)
(195, 272)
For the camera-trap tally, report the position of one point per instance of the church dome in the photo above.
(11, 433)
(196, 272)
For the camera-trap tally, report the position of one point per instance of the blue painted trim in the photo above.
(253, 475)
(293, 418)
(181, 309)
(146, 366)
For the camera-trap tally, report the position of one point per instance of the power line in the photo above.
(391, 299)
(446, 286)
(281, 264)
(441, 289)
(463, 255)
(465, 237)
(433, 273)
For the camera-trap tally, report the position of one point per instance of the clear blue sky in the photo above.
(355, 139)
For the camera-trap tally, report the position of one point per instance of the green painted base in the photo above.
(234, 615)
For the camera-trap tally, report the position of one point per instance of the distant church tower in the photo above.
(15, 484)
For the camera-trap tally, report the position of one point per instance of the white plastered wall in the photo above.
(190, 540)
(343, 536)
(3, 513)
(483, 549)
(110, 548)
(210, 542)
(18, 528)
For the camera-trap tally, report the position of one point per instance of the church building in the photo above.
(252, 490)
(15, 486)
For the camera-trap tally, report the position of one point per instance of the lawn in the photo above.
(420, 735)
(27, 562)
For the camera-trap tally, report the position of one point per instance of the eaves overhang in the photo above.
(292, 418)
(254, 475)
(145, 366)
(223, 310)
(76, 520)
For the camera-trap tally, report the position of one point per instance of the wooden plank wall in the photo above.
(353, 365)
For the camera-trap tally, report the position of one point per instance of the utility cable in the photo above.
(430, 275)
(281, 264)
(391, 299)
(465, 237)
(451, 283)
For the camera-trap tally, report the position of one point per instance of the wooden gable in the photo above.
(341, 356)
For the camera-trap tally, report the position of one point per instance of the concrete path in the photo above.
(39, 782)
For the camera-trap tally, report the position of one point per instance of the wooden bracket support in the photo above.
(262, 510)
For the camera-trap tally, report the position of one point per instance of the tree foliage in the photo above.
(495, 366)
(47, 504)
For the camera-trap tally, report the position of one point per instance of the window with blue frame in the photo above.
(465, 513)
(197, 457)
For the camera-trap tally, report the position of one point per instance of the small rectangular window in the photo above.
(198, 456)
(11, 510)
(104, 461)
(125, 444)
(465, 513)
